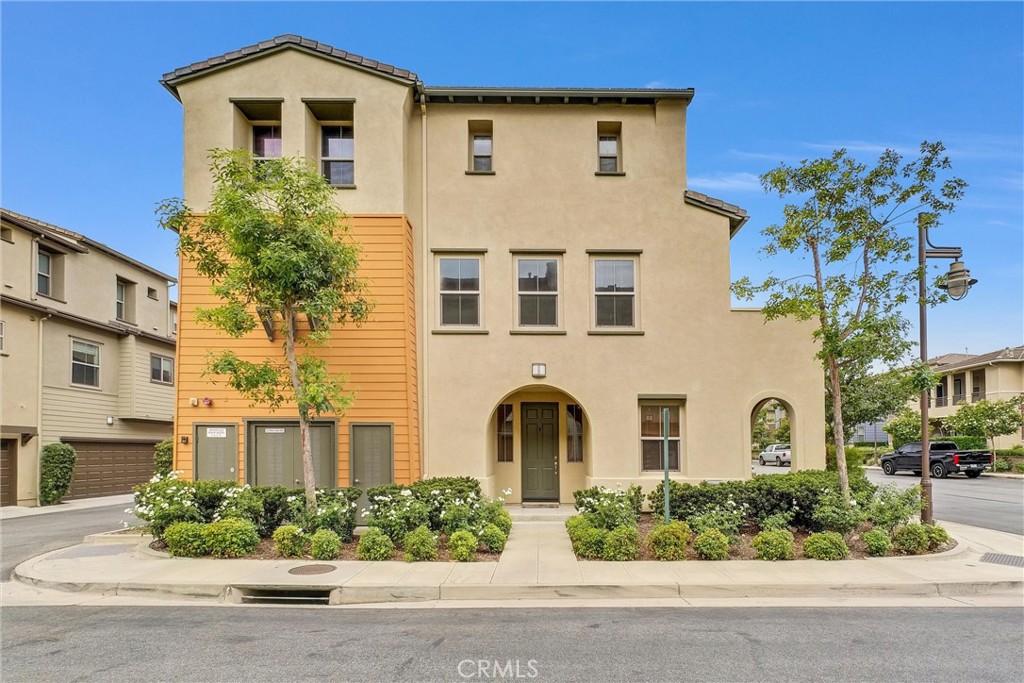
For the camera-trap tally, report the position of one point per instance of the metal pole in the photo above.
(664, 453)
(926, 481)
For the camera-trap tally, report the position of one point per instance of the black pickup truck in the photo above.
(944, 456)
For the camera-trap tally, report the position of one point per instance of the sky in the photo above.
(91, 141)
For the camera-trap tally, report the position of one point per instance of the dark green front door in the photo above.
(540, 451)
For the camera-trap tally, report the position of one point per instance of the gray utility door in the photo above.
(275, 453)
(540, 451)
(216, 452)
(372, 456)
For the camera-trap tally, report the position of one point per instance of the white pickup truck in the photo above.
(778, 453)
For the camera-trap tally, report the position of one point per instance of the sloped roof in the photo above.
(737, 216)
(947, 358)
(1011, 355)
(286, 41)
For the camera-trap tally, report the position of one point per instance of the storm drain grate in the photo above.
(1008, 560)
(310, 569)
(285, 596)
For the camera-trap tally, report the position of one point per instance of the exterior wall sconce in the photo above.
(207, 401)
(193, 402)
(540, 370)
(110, 419)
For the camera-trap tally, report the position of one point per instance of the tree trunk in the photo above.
(307, 445)
(837, 428)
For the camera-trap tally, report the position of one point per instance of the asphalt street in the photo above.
(988, 502)
(636, 644)
(23, 538)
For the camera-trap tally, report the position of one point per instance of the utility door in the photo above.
(372, 457)
(216, 452)
(540, 451)
(275, 454)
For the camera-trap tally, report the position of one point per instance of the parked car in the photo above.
(778, 453)
(944, 458)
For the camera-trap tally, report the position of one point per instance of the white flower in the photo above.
(406, 492)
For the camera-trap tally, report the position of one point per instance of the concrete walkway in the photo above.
(16, 511)
(537, 564)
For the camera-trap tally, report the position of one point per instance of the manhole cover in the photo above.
(1009, 560)
(309, 569)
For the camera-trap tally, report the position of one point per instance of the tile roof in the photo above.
(172, 78)
(1013, 355)
(737, 216)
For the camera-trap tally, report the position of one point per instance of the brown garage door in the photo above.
(8, 476)
(106, 468)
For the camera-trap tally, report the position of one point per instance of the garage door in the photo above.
(106, 468)
(8, 478)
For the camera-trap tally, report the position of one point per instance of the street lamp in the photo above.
(957, 283)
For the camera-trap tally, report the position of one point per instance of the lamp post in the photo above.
(958, 283)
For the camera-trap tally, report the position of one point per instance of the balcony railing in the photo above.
(941, 401)
(977, 396)
(958, 399)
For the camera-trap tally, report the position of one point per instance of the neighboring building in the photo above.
(545, 285)
(86, 357)
(869, 433)
(965, 378)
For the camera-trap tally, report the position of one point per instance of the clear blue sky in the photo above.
(91, 141)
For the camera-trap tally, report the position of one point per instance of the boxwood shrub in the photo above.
(462, 546)
(290, 541)
(712, 545)
(163, 457)
(493, 538)
(589, 542)
(325, 545)
(56, 467)
(937, 536)
(186, 539)
(420, 545)
(374, 546)
(621, 544)
(231, 538)
(878, 542)
(827, 545)
(776, 544)
(911, 539)
(668, 541)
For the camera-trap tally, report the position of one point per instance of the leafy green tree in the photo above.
(870, 397)
(275, 249)
(988, 418)
(847, 220)
(904, 427)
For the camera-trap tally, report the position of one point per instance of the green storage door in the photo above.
(216, 452)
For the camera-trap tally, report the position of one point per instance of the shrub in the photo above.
(1017, 451)
(165, 500)
(56, 467)
(438, 493)
(494, 512)
(240, 503)
(779, 520)
(966, 443)
(712, 545)
(621, 544)
(1018, 467)
(163, 457)
(911, 539)
(937, 536)
(609, 509)
(1000, 465)
(668, 541)
(827, 545)
(891, 507)
(209, 495)
(396, 514)
(634, 496)
(493, 538)
(325, 545)
(375, 546)
(589, 542)
(578, 523)
(462, 546)
(419, 545)
(833, 513)
(775, 544)
(336, 511)
(727, 518)
(290, 541)
(878, 542)
(231, 538)
(854, 460)
(454, 518)
(186, 539)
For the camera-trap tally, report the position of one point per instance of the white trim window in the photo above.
(161, 369)
(44, 273)
(615, 281)
(459, 288)
(652, 437)
(483, 153)
(337, 154)
(85, 364)
(120, 297)
(537, 285)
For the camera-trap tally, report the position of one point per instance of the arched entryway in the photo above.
(539, 445)
(770, 425)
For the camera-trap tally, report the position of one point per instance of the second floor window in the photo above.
(85, 364)
(614, 292)
(337, 154)
(161, 369)
(460, 291)
(120, 296)
(44, 273)
(482, 153)
(266, 142)
(538, 292)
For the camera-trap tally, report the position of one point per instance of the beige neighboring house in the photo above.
(966, 378)
(86, 358)
(567, 283)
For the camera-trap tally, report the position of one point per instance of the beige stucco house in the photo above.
(567, 285)
(86, 357)
(966, 378)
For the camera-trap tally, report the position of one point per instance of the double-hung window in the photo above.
(538, 289)
(120, 298)
(460, 290)
(85, 364)
(161, 369)
(44, 273)
(615, 292)
(482, 153)
(337, 154)
(609, 147)
(652, 437)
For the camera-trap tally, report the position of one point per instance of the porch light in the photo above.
(110, 419)
(540, 370)
(958, 281)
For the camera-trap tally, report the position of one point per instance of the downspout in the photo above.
(426, 267)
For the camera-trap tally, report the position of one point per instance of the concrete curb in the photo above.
(988, 473)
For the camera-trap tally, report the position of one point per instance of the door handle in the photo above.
(355, 481)
(298, 481)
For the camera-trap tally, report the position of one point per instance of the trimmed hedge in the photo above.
(163, 457)
(827, 545)
(231, 538)
(56, 467)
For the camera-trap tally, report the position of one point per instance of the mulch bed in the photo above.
(743, 551)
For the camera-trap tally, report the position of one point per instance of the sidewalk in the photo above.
(538, 564)
(15, 511)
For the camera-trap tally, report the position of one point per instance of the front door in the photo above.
(372, 455)
(540, 451)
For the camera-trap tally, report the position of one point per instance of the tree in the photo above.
(988, 418)
(275, 249)
(904, 427)
(869, 397)
(848, 222)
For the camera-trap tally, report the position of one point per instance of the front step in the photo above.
(540, 512)
(533, 506)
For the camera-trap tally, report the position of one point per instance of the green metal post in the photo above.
(664, 449)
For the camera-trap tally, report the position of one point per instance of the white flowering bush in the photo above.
(336, 511)
(442, 504)
(609, 508)
(834, 513)
(396, 513)
(164, 501)
(891, 507)
(726, 518)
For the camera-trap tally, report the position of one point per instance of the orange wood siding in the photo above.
(379, 357)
